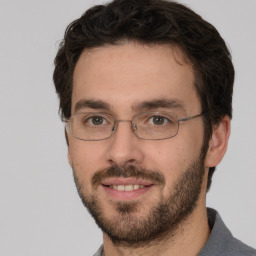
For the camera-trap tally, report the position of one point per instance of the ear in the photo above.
(69, 158)
(66, 136)
(218, 143)
(67, 141)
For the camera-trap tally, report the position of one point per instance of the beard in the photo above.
(164, 216)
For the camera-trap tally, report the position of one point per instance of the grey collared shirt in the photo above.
(220, 242)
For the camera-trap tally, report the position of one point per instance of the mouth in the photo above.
(130, 187)
(126, 188)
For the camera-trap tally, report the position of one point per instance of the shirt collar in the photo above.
(220, 235)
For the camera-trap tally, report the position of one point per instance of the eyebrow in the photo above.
(139, 106)
(159, 103)
(93, 104)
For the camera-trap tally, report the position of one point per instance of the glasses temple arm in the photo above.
(191, 117)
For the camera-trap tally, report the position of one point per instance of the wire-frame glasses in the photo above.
(91, 126)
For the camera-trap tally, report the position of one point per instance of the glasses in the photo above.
(91, 126)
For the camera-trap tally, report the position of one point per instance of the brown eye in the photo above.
(97, 120)
(158, 120)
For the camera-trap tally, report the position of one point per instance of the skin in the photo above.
(124, 76)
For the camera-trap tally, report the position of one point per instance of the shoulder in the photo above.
(221, 242)
(239, 248)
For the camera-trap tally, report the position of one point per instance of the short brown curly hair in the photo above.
(152, 22)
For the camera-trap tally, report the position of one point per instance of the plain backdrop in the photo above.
(40, 211)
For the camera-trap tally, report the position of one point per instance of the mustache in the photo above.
(127, 172)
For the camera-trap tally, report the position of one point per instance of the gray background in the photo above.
(40, 212)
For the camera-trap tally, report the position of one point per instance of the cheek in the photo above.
(86, 158)
(173, 157)
(166, 157)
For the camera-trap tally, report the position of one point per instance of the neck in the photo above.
(187, 240)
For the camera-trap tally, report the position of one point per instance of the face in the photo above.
(137, 189)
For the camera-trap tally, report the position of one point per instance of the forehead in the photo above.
(131, 73)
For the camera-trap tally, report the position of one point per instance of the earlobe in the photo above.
(218, 143)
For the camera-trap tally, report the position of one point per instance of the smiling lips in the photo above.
(130, 187)
(126, 188)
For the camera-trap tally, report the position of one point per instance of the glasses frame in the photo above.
(133, 126)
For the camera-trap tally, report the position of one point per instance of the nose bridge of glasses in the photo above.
(133, 126)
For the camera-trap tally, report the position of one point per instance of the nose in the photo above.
(124, 146)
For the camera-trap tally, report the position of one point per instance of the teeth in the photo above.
(126, 187)
(135, 187)
(120, 187)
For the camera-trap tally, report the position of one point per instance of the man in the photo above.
(145, 89)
